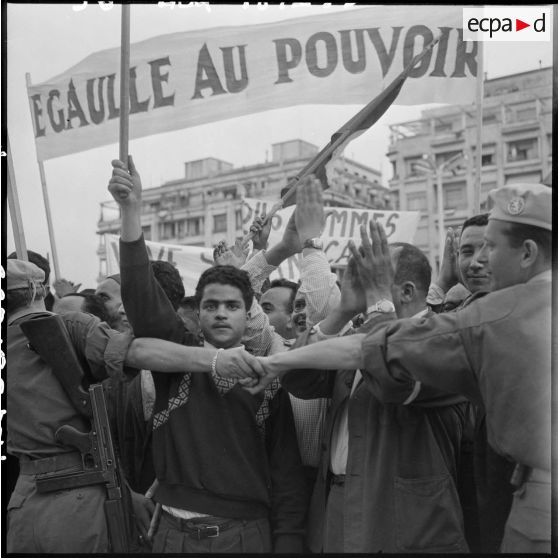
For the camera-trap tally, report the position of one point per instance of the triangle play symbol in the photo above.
(519, 25)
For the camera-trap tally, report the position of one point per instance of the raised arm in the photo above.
(147, 307)
(317, 282)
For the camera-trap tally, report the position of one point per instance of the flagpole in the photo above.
(478, 150)
(362, 120)
(45, 197)
(124, 83)
(15, 212)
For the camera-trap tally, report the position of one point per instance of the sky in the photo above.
(45, 40)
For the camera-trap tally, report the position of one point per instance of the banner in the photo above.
(196, 77)
(341, 225)
(191, 261)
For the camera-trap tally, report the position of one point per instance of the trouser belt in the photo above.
(202, 527)
(51, 464)
(339, 480)
(539, 475)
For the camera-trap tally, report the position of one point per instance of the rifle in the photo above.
(49, 338)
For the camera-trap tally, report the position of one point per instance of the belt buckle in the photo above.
(204, 531)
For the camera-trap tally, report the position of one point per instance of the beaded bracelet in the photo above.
(214, 361)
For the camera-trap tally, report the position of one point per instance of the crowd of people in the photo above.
(386, 411)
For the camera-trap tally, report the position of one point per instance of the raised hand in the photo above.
(235, 255)
(309, 212)
(353, 298)
(448, 276)
(260, 229)
(63, 287)
(125, 183)
(373, 262)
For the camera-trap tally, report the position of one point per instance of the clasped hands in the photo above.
(253, 373)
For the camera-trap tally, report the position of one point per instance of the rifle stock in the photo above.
(49, 338)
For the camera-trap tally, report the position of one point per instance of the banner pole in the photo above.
(45, 199)
(478, 150)
(15, 212)
(124, 83)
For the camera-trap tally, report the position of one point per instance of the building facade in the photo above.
(204, 206)
(516, 147)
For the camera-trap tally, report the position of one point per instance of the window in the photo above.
(416, 202)
(230, 193)
(443, 157)
(167, 230)
(442, 127)
(529, 113)
(487, 160)
(522, 150)
(238, 219)
(489, 118)
(410, 166)
(220, 223)
(193, 227)
(488, 156)
(394, 169)
(146, 232)
(455, 197)
(180, 228)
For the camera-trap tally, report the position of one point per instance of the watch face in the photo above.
(314, 243)
(385, 306)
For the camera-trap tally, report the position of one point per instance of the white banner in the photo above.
(191, 261)
(196, 77)
(341, 225)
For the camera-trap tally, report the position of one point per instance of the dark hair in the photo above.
(288, 285)
(480, 220)
(189, 302)
(265, 286)
(36, 259)
(517, 233)
(21, 298)
(87, 291)
(168, 277)
(94, 304)
(226, 275)
(412, 265)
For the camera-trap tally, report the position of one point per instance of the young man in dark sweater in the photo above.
(227, 463)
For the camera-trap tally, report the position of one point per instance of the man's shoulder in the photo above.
(501, 304)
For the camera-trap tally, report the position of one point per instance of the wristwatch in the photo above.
(383, 306)
(316, 243)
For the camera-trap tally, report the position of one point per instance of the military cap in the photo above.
(526, 204)
(21, 274)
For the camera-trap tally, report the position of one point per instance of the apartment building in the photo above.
(204, 206)
(516, 147)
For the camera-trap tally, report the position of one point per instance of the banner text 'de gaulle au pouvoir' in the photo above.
(196, 77)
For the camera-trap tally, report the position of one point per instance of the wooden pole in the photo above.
(124, 83)
(46, 202)
(15, 213)
(478, 149)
